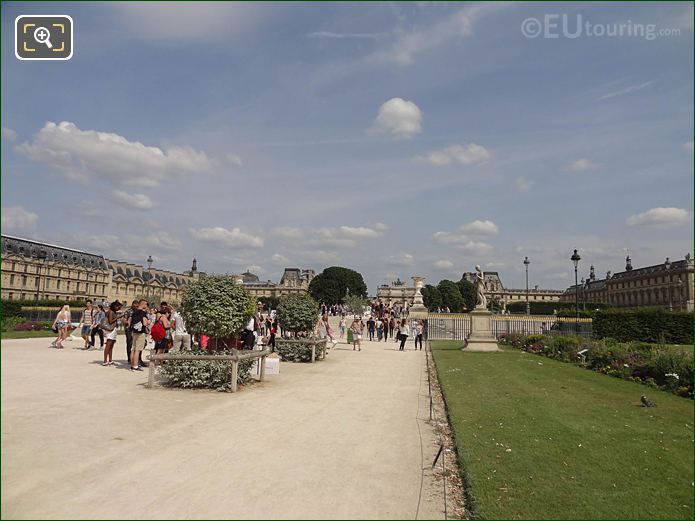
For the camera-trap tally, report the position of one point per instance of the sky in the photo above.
(397, 139)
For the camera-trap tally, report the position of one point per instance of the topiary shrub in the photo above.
(216, 306)
(203, 374)
(299, 350)
(298, 313)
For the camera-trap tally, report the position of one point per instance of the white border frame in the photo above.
(72, 36)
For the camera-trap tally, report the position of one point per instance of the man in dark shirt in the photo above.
(371, 324)
(138, 327)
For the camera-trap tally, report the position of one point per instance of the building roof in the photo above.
(31, 248)
(658, 268)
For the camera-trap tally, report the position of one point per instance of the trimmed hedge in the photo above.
(203, 374)
(547, 307)
(10, 308)
(645, 325)
(299, 350)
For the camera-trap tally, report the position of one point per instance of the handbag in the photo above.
(104, 325)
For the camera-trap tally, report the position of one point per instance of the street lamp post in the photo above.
(575, 259)
(149, 262)
(41, 256)
(528, 306)
(667, 265)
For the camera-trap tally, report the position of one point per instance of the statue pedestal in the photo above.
(481, 337)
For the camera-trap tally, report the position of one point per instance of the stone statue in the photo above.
(479, 284)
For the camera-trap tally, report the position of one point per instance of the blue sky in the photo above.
(397, 139)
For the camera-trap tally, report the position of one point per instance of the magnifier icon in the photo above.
(43, 35)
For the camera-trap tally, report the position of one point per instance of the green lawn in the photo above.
(542, 439)
(28, 334)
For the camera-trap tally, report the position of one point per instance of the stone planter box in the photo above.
(301, 349)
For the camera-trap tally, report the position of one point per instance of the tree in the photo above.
(331, 286)
(298, 313)
(269, 303)
(431, 297)
(469, 294)
(355, 304)
(451, 295)
(216, 306)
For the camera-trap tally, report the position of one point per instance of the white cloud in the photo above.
(139, 201)
(479, 227)
(188, 21)
(340, 36)
(627, 90)
(466, 154)
(279, 260)
(660, 218)
(456, 26)
(85, 154)
(494, 265)
(523, 184)
(234, 159)
(476, 247)
(444, 265)
(401, 260)
(449, 238)
(8, 134)
(381, 227)
(337, 237)
(129, 247)
(399, 118)
(234, 238)
(688, 145)
(18, 218)
(582, 165)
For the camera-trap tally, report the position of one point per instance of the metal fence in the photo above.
(457, 326)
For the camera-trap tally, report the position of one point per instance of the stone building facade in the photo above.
(34, 270)
(294, 280)
(397, 292)
(130, 281)
(668, 285)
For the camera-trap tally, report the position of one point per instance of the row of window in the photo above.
(52, 283)
(63, 273)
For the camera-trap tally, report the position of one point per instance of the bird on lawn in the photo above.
(646, 402)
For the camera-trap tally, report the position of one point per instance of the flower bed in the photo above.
(299, 350)
(667, 368)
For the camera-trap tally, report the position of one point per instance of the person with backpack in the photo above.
(110, 325)
(96, 330)
(161, 332)
(138, 327)
(86, 322)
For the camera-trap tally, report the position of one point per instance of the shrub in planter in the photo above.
(204, 374)
(298, 313)
(216, 306)
(299, 350)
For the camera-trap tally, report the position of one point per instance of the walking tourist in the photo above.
(356, 334)
(182, 340)
(342, 326)
(61, 325)
(371, 326)
(110, 326)
(379, 329)
(403, 333)
(418, 333)
(392, 327)
(96, 328)
(86, 321)
(138, 326)
(161, 332)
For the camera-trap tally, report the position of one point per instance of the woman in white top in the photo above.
(403, 332)
(342, 326)
(61, 324)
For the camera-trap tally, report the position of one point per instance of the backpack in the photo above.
(158, 332)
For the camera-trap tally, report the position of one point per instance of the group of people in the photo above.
(164, 326)
(377, 327)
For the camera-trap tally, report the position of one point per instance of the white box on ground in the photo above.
(272, 366)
